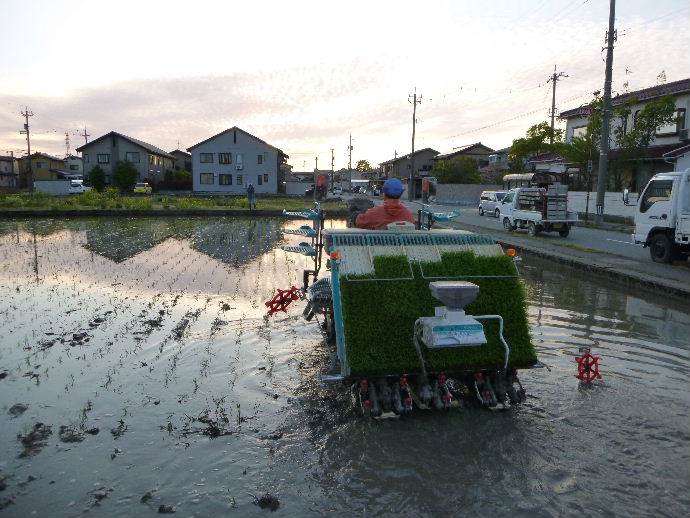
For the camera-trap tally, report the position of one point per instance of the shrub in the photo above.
(125, 176)
(97, 178)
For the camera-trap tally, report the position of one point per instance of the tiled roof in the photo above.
(238, 129)
(145, 145)
(407, 156)
(462, 150)
(652, 92)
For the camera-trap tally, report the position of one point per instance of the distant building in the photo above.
(43, 167)
(667, 145)
(74, 165)
(401, 167)
(477, 152)
(231, 160)
(9, 172)
(183, 160)
(106, 151)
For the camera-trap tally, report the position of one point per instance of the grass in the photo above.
(379, 316)
(112, 200)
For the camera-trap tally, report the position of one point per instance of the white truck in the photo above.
(538, 209)
(662, 216)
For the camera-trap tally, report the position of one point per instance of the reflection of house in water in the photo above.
(235, 241)
(670, 325)
(121, 239)
(232, 241)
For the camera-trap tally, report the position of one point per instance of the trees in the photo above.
(634, 141)
(458, 170)
(125, 176)
(363, 166)
(536, 141)
(97, 178)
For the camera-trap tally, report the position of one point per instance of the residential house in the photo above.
(43, 167)
(298, 182)
(183, 160)
(74, 165)
(665, 148)
(401, 166)
(9, 172)
(106, 151)
(477, 152)
(229, 161)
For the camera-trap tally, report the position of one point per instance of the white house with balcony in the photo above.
(670, 144)
(229, 161)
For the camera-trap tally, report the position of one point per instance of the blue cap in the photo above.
(393, 188)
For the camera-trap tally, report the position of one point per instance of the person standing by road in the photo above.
(251, 198)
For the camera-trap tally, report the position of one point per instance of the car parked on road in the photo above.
(142, 188)
(490, 201)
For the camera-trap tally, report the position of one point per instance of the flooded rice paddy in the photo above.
(138, 376)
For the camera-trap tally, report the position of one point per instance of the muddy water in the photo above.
(137, 372)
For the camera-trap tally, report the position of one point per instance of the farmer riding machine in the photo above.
(417, 317)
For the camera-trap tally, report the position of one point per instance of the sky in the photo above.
(304, 75)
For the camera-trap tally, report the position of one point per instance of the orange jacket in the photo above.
(377, 218)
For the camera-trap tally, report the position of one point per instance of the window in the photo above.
(132, 156)
(239, 159)
(580, 131)
(508, 197)
(225, 158)
(500, 196)
(657, 190)
(85, 157)
(40, 165)
(103, 158)
(259, 178)
(673, 127)
(206, 158)
(74, 167)
(151, 159)
(265, 177)
(259, 159)
(206, 178)
(238, 179)
(224, 179)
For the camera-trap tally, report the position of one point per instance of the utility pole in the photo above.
(554, 79)
(26, 114)
(85, 135)
(316, 167)
(606, 115)
(333, 170)
(66, 144)
(415, 100)
(349, 163)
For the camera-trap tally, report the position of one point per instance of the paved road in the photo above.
(607, 241)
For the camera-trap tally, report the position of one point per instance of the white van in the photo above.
(489, 202)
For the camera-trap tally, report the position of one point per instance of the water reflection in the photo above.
(174, 324)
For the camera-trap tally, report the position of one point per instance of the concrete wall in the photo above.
(250, 148)
(462, 194)
(297, 188)
(613, 203)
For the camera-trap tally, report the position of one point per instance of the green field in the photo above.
(112, 200)
(379, 316)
